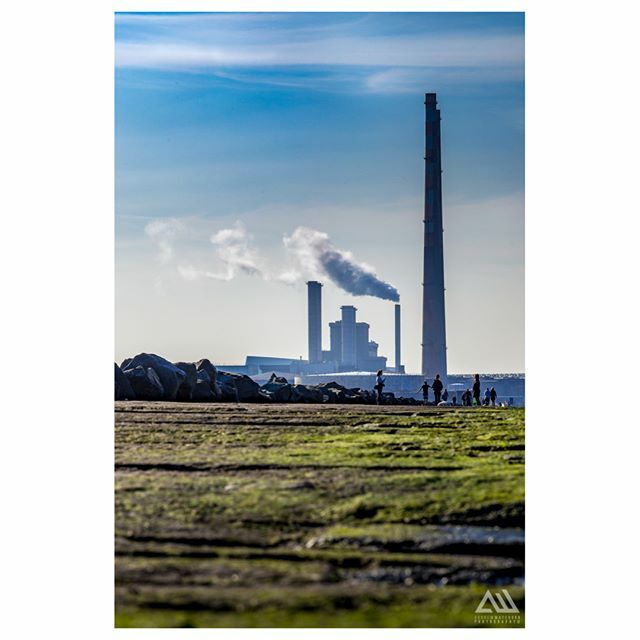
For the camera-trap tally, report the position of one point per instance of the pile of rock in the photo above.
(150, 377)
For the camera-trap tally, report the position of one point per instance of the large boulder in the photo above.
(238, 388)
(331, 385)
(145, 383)
(123, 389)
(389, 398)
(206, 366)
(203, 376)
(332, 391)
(278, 379)
(170, 376)
(202, 391)
(308, 394)
(279, 392)
(188, 384)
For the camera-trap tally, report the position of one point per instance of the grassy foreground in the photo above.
(314, 515)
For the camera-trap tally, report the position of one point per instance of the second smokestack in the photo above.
(314, 290)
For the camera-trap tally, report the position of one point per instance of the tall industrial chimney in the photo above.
(398, 357)
(348, 338)
(314, 290)
(434, 344)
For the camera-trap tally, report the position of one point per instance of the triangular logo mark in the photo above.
(498, 603)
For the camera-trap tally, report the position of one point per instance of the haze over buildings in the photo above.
(281, 122)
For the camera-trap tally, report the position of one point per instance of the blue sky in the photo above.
(268, 122)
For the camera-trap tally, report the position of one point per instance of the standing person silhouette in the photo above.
(379, 386)
(437, 387)
(476, 389)
(425, 392)
(494, 395)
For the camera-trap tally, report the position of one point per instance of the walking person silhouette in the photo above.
(425, 392)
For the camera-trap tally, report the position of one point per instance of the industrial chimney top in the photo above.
(430, 99)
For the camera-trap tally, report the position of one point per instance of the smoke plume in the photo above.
(232, 247)
(233, 250)
(317, 258)
(162, 233)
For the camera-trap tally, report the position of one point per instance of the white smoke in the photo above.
(162, 233)
(232, 247)
(233, 250)
(313, 254)
(317, 258)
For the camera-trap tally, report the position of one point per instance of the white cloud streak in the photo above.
(384, 51)
(352, 52)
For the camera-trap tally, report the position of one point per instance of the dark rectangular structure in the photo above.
(349, 359)
(434, 343)
(314, 290)
(398, 361)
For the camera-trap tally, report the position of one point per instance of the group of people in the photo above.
(469, 398)
(438, 393)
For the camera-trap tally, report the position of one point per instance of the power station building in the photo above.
(350, 347)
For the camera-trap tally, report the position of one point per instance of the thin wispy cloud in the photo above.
(408, 51)
(219, 44)
(411, 80)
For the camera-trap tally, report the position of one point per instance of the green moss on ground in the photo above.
(306, 515)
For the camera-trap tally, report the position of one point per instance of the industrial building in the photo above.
(350, 350)
(350, 346)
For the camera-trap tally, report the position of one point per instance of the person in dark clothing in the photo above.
(379, 386)
(476, 390)
(437, 387)
(445, 395)
(493, 395)
(425, 392)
